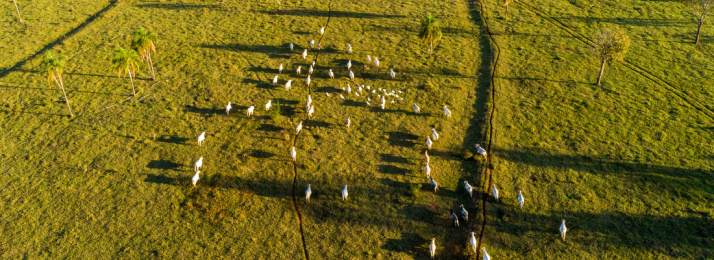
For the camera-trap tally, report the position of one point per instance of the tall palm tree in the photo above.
(143, 44)
(53, 65)
(17, 9)
(125, 63)
(430, 32)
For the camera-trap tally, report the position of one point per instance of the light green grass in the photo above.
(115, 180)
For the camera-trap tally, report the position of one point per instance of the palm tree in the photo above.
(125, 62)
(143, 44)
(53, 67)
(430, 32)
(17, 9)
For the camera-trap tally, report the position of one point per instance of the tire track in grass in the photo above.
(687, 98)
(489, 165)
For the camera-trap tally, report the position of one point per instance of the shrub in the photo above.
(414, 190)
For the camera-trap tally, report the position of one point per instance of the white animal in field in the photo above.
(426, 157)
(309, 70)
(309, 100)
(332, 75)
(369, 59)
(311, 111)
(228, 108)
(304, 54)
(267, 105)
(376, 62)
(427, 169)
(359, 88)
(349, 64)
(291, 46)
(275, 80)
(342, 96)
(434, 184)
(434, 134)
(352, 76)
(344, 193)
(447, 112)
(349, 48)
(195, 178)
(481, 151)
(521, 200)
(319, 46)
(473, 242)
(349, 89)
(432, 247)
(369, 88)
(280, 69)
(392, 74)
(198, 164)
(416, 108)
(468, 188)
(453, 217)
(384, 102)
(348, 122)
(308, 80)
(201, 137)
(322, 31)
(563, 229)
(485, 255)
(328, 94)
(495, 192)
(250, 111)
(298, 128)
(298, 70)
(312, 43)
(356, 94)
(308, 192)
(293, 154)
(428, 143)
(288, 84)
(464, 213)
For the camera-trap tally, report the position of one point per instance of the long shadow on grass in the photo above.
(631, 21)
(59, 40)
(682, 182)
(321, 13)
(173, 139)
(402, 139)
(682, 236)
(163, 165)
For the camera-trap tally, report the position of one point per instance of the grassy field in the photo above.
(627, 164)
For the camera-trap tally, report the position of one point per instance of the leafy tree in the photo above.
(700, 9)
(610, 45)
(430, 32)
(143, 44)
(53, 65)
(506, 3)
(18, 10)
(125, 63)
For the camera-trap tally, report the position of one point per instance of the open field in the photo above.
(627, 164)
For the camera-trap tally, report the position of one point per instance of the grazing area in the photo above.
(194, 129)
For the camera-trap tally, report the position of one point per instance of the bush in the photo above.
(275, 111)
(414, 190)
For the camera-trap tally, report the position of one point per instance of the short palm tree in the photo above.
(143, 44)
(430, 32)
(125, 63)
(53, 65)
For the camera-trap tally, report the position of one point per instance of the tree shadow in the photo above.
(260, 84)
(161, 179)
(204, 111)
(163, 165)
(270, 128)
(315, 123)
(408, 243)
(260, 154)
(328, 90)
(352, 103)
(631, 21)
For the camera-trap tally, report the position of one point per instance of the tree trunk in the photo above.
(506, 12)
(431, 47)
(132, 82)
(61, 84)
(151, 65)
(602, 69)
(17, 9)
(699, 30)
